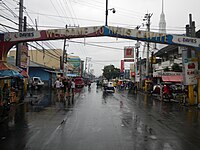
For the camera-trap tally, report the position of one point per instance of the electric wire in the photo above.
(63, 10)
(138, 12)
(108, 47)
(56, 9)
(52, 56)
(8, 8)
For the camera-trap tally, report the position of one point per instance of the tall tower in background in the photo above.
(162, 28)
(162, 23)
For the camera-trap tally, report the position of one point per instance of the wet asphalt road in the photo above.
(100, 121)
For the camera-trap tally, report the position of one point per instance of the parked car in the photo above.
(37, 83)
(79, 82)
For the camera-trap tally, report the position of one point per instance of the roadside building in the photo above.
(46, 74)
(76, 62)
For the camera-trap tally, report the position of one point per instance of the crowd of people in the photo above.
(65, 90)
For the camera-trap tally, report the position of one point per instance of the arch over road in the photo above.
(8, 40)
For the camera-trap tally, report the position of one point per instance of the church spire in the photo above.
(162, 23)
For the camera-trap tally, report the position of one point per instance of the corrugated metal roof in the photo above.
(165, 49)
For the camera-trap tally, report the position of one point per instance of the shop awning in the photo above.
(6, 66)
(176, 78)
(8, 70)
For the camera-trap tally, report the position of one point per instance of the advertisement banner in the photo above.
(24, 55)
(190, 69)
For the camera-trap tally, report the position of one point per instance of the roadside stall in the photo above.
(175, 85)
(4, 103)
(13, 80)
(11, 89)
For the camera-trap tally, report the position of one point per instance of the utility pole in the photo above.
(64, 60)
(63, 57)
(147, 18)
(18, 52)
(190, 31)
(137, 46)
(152, 61)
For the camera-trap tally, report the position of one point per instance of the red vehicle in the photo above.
(79, 82)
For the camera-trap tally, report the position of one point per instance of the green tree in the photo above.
(110, 72)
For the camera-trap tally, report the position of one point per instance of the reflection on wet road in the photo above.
(99, 120)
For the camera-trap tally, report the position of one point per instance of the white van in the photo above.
(37, 83)
(110, 88)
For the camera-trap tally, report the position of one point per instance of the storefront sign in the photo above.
(190, 69)
(163, 73)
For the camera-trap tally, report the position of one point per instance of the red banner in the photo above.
(122, 66)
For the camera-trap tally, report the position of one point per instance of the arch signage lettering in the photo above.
(7, 40)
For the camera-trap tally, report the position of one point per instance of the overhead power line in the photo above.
(97, 45)
(8, 27)
(9, 20)
(54, 57)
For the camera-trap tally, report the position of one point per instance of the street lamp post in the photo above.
(113, 10)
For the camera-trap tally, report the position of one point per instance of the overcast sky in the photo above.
(129, 14)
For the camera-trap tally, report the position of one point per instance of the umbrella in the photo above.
(10, 73)
(8, 70)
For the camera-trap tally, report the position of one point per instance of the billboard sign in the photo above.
(190, 69)
(128, 52)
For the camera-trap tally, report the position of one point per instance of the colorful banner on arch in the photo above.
(95, 31)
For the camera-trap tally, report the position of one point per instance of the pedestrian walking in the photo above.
(62, 91)
(135, 88)
(58, 84)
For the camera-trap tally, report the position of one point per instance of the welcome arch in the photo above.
(8, 40)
